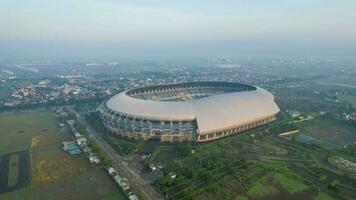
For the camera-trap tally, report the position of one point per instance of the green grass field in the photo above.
(55, 174)
(325, 196)
(348, 98)
(333, 131)
(271, 185)
(259, 190)
(292, 185)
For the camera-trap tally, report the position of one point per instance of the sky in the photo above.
(60, 29)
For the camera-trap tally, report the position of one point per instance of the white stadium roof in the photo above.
(214, 113)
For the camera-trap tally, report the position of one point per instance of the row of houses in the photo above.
(122, 183)
(80, 144)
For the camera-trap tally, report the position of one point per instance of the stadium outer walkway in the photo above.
(137, 183)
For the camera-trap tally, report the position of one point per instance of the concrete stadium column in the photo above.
(150, 128)
(133, 123)
(171, 126)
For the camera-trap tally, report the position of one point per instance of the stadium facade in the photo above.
(194, 111)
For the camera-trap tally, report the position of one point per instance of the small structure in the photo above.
(305, 138)
(172, 175)
(82, 142)
(122, 182)
(71, 147)
(87, 150)
(152, 167)
(112, 171)
(351, 117)
(133, 197)
(94, 159)
(77, 134)
(64, 114)
(70, 122)
(125, 186)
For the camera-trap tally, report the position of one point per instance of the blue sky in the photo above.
(156, 25)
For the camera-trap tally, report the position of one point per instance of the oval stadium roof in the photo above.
(212, 113)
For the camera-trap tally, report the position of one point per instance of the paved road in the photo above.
(137, 183)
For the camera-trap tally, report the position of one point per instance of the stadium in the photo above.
(194, 111)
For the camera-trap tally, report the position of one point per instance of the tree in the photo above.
(333, 185)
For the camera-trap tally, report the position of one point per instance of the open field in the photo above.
(279, 186)
(258, 190)
(348, 98)
(338, 134)
(291, 184)
(324, 196)
(329, 129)
(54, 173)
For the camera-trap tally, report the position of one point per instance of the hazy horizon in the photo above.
(108, 29)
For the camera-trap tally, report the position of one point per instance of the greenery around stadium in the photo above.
(253, 165)
(256, 163)
(259, 163)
